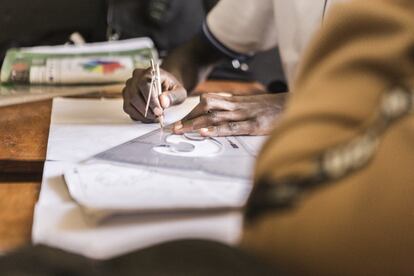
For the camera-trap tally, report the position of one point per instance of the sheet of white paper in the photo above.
(108, 111)
(253, 143)
(89, 111)
(111, 188)
(59, 222)
(206, 148)
(77, 142)
(177, 112)
(80, 129)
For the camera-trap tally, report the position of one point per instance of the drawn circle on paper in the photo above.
(194, 136)
(204, 148)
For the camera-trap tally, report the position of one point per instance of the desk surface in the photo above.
(24, 131)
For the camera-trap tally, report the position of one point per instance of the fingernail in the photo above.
(158, 111)
(178, 126)
(204, 129)
(165, 101)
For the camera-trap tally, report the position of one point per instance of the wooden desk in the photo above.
(24, 132)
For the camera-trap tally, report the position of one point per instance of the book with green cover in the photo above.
(94, 63)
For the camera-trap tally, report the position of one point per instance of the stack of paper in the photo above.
(81, 129)
(103, 190)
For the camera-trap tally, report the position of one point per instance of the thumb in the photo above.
(173, 97)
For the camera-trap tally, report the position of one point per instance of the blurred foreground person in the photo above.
(334, 183)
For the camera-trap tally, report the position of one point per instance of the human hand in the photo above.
(226, 115)
(136, 93)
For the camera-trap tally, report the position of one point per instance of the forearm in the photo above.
(192, 62)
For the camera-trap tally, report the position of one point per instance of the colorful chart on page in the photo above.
(102, 66)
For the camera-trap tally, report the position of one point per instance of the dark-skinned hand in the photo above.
(136, 93)
(225, 115)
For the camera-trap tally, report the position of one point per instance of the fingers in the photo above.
(130, 107)
(213, 109)
(173, 97)
(211, 102)
(150, 96)
(128, 94)
(172, 93)
(210, 119)
(136, 95)
(221, 116)
(230, 129)
(134, 101)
